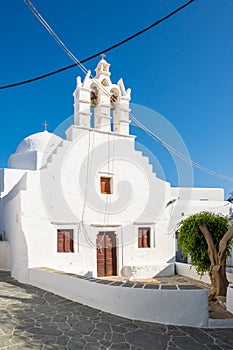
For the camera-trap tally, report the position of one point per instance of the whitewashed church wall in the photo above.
(8, 179)
(68, 191)
(41, 237)
(132, 182)
(27, 160)
(215, 194)
(13, 232)
(41, 233)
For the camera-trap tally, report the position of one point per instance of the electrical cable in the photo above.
(114, 46)
(180, 155)
(148, 131)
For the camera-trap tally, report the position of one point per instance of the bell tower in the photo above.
(110, 102)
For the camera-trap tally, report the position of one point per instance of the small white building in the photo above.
(91, 204)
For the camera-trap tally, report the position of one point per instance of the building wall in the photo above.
(54, 199)
(12, 226)
(5, 259)
(66, 195)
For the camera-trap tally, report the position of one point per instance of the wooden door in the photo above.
(106, 254)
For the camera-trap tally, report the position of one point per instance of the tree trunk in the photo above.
(217, 271)
(218, 280)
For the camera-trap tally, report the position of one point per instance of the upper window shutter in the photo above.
(102, 185)
(107, 185)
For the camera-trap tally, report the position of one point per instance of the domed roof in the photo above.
(40, 142)
(33, 152)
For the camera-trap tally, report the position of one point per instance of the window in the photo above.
(94, 97)
(105, 185)
(144, 237)
(114, 99)
(65, 243)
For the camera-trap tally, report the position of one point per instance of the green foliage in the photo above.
(193, 243)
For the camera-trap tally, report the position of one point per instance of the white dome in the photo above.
(39, 142)
(33, 152)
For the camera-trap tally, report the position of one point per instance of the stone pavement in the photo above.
(31, 318)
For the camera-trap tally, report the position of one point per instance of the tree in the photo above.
(207, 239)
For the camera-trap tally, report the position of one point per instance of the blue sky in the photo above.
(181, 69)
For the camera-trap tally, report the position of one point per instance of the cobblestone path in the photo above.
(31, 318)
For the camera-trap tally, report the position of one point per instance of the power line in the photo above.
(122, 42)
(141, 125)
(180, 155)
(54, 35)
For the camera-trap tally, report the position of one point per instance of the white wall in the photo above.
(12, 225)
(230, 299)
(186, 270)
(5, 264)
(54, 200)
(67, 192)
(177, 307)
(8, 179)
(209, 194)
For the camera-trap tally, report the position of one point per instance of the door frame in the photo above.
(114, 235)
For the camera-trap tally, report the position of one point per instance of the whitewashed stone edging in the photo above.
(175, 307)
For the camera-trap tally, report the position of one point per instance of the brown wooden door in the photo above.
(106, 254)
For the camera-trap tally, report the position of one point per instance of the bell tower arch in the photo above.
(108, 101)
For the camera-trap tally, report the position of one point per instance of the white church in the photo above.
(91, 204)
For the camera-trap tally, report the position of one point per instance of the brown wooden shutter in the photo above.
(140, 238)
(67, 241)
(145, 239)
(148, 237)
(60, 241)
(102, 185)
(105, 185)
(72, 242)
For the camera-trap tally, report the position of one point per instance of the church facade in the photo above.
(91, 204)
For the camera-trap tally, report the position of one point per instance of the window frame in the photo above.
(110, 178)
(144, 243)
(66, 242)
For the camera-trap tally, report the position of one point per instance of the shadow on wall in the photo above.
(5, 257)
(158, 270)
(14, 232)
